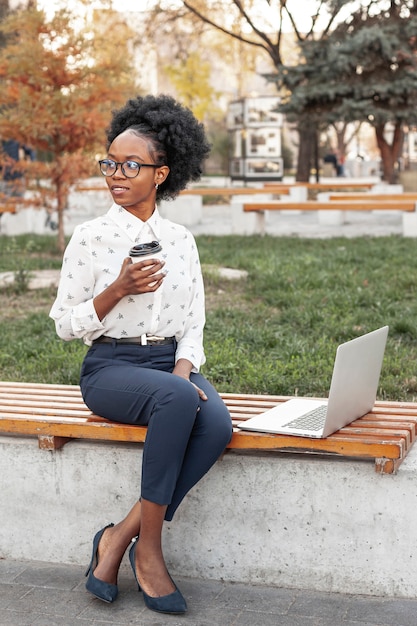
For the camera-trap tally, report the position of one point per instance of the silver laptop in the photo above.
(352, 394)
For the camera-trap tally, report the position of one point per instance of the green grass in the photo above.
(274, 332)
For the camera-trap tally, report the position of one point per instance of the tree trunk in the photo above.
(62, 197)
(307, 141)
(390, 152)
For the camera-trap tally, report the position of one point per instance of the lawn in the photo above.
(274, 332)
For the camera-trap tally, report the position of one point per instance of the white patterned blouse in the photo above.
(92, 261)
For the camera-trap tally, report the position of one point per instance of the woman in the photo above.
(144, 322)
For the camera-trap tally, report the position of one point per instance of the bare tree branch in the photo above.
(266, 44)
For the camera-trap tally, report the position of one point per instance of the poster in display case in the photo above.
(263, 142)
(262, 111)
(235, 114)
(259, 169)
(255, 126)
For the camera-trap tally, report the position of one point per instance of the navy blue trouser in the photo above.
(133, 384)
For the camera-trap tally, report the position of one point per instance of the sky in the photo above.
(301, 8)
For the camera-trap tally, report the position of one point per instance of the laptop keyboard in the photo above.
(313, 420)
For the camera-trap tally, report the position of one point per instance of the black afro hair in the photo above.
(176, 136)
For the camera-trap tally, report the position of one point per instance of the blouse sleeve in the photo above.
(73, 310)
(190, 346)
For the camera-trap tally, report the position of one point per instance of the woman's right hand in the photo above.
(134, 278)
(141, 277)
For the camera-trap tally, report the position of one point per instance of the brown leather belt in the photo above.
(143, 340)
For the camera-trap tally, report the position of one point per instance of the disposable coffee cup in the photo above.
(143, 250)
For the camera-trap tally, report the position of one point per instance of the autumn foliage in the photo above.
(60, 83)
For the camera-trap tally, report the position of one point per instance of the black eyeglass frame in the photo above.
(122, 164)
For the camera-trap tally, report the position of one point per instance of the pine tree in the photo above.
(365, 70)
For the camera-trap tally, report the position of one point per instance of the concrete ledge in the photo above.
(410, 224)
(305, 522)
(331, 218)
(248, 223)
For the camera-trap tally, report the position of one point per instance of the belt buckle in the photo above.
(146, 338)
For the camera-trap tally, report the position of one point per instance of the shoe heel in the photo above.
(174, 603)
(100, 589)
(132, 561)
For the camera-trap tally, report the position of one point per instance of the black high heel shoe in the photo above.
(173, 603)
(100, 589)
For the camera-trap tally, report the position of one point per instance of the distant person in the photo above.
(331, 158)
(143, 323)
(340, 165)
(12, 182)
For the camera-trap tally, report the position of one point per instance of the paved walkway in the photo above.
(45, 594)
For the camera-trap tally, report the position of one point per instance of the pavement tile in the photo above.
(53, 620)
(200, 594)
(50, 575)
(323, 605)
(209, 617)
(9, 594)
(10, 569)
(256, 598)
(330, 622)
(129, 606)
(17, 618)
(383, 611)
(50, 602)
(248, 618)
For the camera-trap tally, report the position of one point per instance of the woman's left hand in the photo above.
(183, 368)
(199, 391)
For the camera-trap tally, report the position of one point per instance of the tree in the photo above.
(328, 20)
(4, 9)
(366, 71)
(191, 79)
(203, 67)
(59, 84)
(266, 28)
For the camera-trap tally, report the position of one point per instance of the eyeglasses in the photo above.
(130, 169)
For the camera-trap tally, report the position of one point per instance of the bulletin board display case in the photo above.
(254, 126)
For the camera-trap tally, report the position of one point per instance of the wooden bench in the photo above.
(369, 204)
(212, 191)
(324, 209)
(7, 206)
(56, 414)
(329, 186)
(236, 191)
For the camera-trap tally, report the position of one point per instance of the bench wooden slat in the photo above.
(357, 195)
(326, 186)
(333, 205)
(402, 429)
(342, 444)
(7, 207)
(235, 191)
(41, 404)
(211, 191)
(44, 411)
(42, 388)
(56, 414)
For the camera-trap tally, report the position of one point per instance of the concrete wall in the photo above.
(293, 521)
